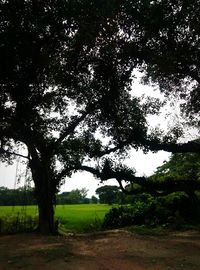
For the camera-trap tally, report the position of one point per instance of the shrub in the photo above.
(173, 210)
(118, 217)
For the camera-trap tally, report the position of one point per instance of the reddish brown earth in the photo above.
(118, 250)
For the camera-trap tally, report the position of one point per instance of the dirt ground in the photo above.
(118, 250)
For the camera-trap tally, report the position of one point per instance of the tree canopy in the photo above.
(179, 166)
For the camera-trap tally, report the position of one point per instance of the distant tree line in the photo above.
(26, 196)
(76, 196)
(107, 195)
(19, 196)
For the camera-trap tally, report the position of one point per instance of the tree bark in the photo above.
(45, 195)
(45, 198)
(46, 223)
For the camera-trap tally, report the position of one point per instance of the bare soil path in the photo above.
(118, 250)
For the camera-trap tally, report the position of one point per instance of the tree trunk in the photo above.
(45, 194)
(46, 213)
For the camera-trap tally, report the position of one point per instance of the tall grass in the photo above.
(18, 218)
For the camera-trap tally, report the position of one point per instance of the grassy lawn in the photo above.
(82, 217)
(72, 218)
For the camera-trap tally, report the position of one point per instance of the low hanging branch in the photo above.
(143, 184)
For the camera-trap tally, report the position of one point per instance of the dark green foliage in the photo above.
(94, 199)
(20, 196)
(179, 166)
(109, 194)
(179, 174)
(76, 196)
(119, 217)
(174, 210)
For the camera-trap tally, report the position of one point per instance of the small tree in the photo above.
(108, 194)
(94, 199)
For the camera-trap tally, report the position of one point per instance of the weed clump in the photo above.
(17, 224)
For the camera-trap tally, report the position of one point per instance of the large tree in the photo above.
(63, 82)
(65, 77)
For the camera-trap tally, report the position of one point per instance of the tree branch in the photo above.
(74, 123)
(64, 172)
(154, 145)
(155, 188)
(94, 171)
(190, 146)
(107, 151)
(71, 127)
(3, 151)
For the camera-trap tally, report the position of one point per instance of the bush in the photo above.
(173, 210)
(118, 217)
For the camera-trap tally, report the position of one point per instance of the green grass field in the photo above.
(72, 218)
